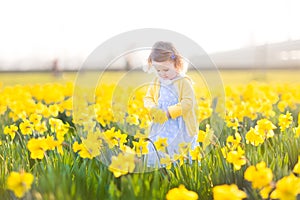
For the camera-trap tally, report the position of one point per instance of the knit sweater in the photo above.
(186, 106)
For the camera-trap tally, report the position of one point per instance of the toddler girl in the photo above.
(171, 102)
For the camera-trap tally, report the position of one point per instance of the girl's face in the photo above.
(166, 70)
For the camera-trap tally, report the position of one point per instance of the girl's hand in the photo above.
(158, 115)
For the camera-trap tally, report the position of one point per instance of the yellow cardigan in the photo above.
(186, 106)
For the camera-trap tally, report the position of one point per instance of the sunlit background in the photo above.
(36, 35)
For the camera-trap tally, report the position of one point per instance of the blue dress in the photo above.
(174, 129)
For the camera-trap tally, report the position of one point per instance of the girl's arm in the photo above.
(151, 97)
(149, 101)
(186, 93)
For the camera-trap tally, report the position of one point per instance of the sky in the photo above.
(36, 30)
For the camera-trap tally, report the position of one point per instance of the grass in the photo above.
(69, 176)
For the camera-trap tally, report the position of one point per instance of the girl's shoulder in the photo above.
(155, 81)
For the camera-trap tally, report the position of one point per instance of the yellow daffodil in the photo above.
(259, 175)
(249, 109)
(141, 147)
(114, 138)
(90, 146)
(228, 192)
(55, 124)
(184, 147)
(76, 147)
(51, 143)
(41, 127)
(233, 143)
(265, 191)
(122, 164)
(285, 121)
(104, 111)
(180, 157)
(166, 160)
(196, 153)
(206, 137)
(46, 112)
(35, 118)
(66, 106)
(181, 193)
(37, 147)
(282, 105)
(237, 158)
(204, 109)
(287, 188)
(201, 136)
(54, 109)
(265, 128)
(61, 131)
(231, 120)
(161, 144)
(11, 130)
(26, 127)
(266, 108)
(19, 183)
(83, 151)
(253, 137)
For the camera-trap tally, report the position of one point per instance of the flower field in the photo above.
(62, 141)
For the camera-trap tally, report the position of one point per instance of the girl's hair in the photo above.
(165, 51)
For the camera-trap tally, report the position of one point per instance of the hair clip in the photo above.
(173, 56)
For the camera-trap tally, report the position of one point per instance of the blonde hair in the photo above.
(165, 51)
